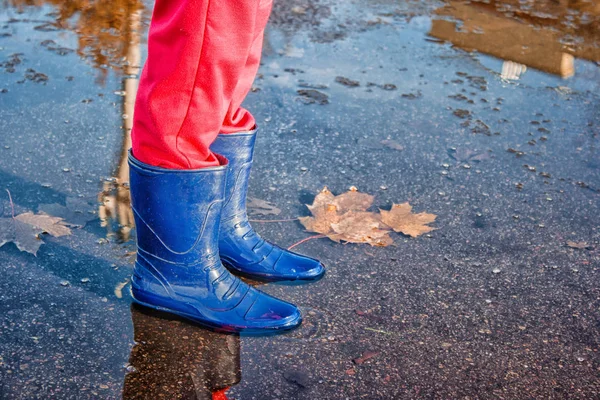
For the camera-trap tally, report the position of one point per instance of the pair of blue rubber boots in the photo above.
(191, 222)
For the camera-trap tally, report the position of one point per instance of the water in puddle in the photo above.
(453, 83)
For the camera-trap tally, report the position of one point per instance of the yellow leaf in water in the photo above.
(52, 225)
(344, 218)
(361, 227)
(401, 219)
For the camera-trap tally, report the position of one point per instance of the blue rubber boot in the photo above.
(242, 250)
(178, 270)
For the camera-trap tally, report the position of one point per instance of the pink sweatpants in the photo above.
(203, 56)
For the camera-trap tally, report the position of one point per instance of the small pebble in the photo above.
(85, 280)
(66, 169)
(383, 187)
(488, 301)
(496, 270)
(444, 172)
(64, 283)
(466, 166)
(303, 169)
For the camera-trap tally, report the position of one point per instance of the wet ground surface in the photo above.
(486, 114)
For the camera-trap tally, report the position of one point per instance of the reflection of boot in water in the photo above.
(173, 359)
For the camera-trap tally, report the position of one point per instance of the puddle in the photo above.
(172, 356)
(483, 112)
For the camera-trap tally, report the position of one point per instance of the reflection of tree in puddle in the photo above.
(103, 27)
(115, 199)
(546, 35)
(109, 33)
(174, 359)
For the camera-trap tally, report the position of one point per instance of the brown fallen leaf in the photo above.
(353, 200)
(321, 222)
(344, 218)
(364, 357)
(578, 245)
(401, 219)
(261, 207)
(24, 236)
(361, 227)
(323, 202)
(45, 222)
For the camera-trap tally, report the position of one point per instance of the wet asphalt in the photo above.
(492, 304)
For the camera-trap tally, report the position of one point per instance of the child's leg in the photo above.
(237, 118)
(202, 57)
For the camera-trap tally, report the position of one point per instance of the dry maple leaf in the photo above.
(322, 221)
(45, 222)
(361, 227)
(344, 218)
(24, 236)
(323, 200)
(353, 200)
(401, 219)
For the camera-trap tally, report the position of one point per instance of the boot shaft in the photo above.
(176, 212)
(238, 148)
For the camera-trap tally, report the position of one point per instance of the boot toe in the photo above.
(270, 313)
(297, 267)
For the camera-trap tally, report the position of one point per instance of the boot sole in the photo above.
(226, 329)
(287, 281)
